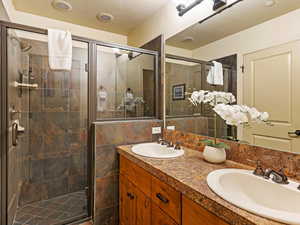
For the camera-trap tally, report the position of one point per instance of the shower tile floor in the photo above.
(53, 211)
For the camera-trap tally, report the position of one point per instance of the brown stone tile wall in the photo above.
(57, 124)
(242, 153)
(108, 136)
(196, 125)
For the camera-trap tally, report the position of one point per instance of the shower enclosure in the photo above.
(45, 134)
(47, 142)
(47, 148)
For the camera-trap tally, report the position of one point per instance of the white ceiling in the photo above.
(127, 13)
(243, 15)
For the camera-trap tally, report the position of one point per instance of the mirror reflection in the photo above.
(125, 84)
(256, 58)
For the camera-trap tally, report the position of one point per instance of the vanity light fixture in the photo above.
(182, 8)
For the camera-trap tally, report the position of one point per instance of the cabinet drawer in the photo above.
(137, 175)
(194, 214)
(167, 198)
(160, 218)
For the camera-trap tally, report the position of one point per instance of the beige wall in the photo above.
(167, 22)
(3, 14)
(43, 22)
(178, 51)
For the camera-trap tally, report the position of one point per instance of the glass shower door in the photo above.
(48, 123)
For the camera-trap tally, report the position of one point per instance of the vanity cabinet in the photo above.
(146, 200)
(193, 214)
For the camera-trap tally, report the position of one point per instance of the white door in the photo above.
(271, 83)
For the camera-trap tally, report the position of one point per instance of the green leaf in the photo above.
(211, 143)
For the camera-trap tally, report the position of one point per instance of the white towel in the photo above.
(215, 74)
(60, 49)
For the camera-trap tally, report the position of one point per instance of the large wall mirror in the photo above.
(251, 50)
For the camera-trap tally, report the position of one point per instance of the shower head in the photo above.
(24, 46)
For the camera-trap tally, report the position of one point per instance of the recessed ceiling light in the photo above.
(61, 5)
(187, 39)
(104, 17)
(269, 3)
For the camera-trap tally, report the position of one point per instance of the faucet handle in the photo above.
(259, 171)
(177, 146)
(283, 175)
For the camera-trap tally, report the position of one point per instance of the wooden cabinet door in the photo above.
(159, 217)
(143, 208)
(194, 214)
(127, 202)
(135, 206)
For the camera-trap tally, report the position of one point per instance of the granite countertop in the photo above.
(187, 174)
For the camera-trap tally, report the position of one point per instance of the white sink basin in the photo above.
(155, 150)
(257, 195)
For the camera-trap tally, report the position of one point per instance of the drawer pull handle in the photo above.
(162, 198)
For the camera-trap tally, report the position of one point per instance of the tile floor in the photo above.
(52, 211)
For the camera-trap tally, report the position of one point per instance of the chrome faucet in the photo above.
(169, 144)
(278, 177)
(162, 141)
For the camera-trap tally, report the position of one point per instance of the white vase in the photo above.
(214, 155)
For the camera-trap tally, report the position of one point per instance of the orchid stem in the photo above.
(215, 121)
(215, 130)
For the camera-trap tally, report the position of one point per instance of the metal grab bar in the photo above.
(22, 85)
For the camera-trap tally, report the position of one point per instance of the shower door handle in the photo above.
(14, 134)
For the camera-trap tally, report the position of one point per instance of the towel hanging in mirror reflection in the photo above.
(215, 74)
